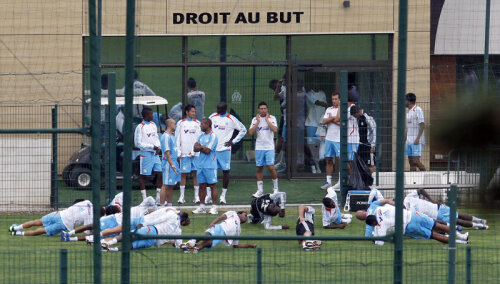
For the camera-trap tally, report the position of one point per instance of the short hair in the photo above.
(188, 108)
(222, 105)
(208, 121)
(354, 110)
(145, 111)
(336, 94)
(327, 201)
(112, 209)
(241, 212)
(272, 84)
(411, 98)
(191, 83)
(371, 220)
(262, 104)
(184, 216)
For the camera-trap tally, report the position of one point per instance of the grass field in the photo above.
(36, 259)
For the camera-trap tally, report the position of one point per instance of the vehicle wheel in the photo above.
(81, 178)
(66, 173)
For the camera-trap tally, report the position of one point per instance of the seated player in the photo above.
(440, 212)
(332, 217)
(168, 224)
(305, 227)
(79, 213)
(415, 225)
(265, 207)
(230, 225)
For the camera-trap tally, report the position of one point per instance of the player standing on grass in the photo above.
(415, 136)
(265, 126)
(223, 125)
(146, 139)
(305, 227)
(187, 133)
(332, 139)
(170, 164)
(207, 166)
(265, 207)
(332, 217)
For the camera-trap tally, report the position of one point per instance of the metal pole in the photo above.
(63, 266)
(223, 69)
(452, 203)
(468, 265)
(54, 195)
(107, 142)
(128, 134)
(378, 150)
(343, 137)
(112, 134)
(95, 91)
(400, 140)
(486, 48)
(259, 265)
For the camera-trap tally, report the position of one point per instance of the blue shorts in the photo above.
(149, 163)
(311, 131)
(223, 160)
(351, 148)
(53, 223)
(444, 213)
(208, 176)
(135, 222)
(147, 230)
(169, 176)
(189, 164)
(264, 158)
(216, 231)
(109, 222)
(420, 226)
(413, 150)
(332, 149)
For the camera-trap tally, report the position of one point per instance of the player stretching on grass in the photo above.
(305, 227)
(332, 217)
(267, 206)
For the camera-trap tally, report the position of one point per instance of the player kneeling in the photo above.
(305, 227)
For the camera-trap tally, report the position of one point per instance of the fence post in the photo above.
(54, 194)
(468, 265)
(343, 174)
(63, 266)
(259, 265)
(452, 203)
(107, 153)
(112, 134)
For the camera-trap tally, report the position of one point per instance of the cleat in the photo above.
(104, 246)
(325, 186)
(89, 240)
(213, 210)
(189, 247)
(181, 201)
(63, 237)
(199, 210)
(258, 194)
(336, 187)
(311, 245)
(11, 228)
(222, 200)
(483, 221)
(13, 233)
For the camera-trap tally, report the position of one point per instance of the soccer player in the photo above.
(112, 219)
(352, 130)
(223, 125)
(415, 136)
(374, 201)
(265, 207)
(367, 137)
(135, 211)
(186, 134)
(146, 139)
(170, 164)
(332, 217)
(305, 227)
(332, 139)
(265, 126)
(415, 225)
(197, 98)
(230, 225)
(439, 211)
(207, 166)
(79, 213)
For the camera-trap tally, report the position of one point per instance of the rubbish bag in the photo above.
(360, 178)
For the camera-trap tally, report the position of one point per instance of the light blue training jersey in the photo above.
(208, 161)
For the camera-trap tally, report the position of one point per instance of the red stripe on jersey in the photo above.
(149, 230)
(142, 156)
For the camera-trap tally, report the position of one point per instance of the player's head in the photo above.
(371, 220)
(272, 84)
(243, 216)
(273, 209)
(206, 124)
(328, 202)
(147, 114)
(355, 111)
(361, 215)
(262, 107)
(170, 123)
(191, 83)
(411, 99)
(185, 221)
(190, 111)
(112, 209)
(335, 99)
(221, 108)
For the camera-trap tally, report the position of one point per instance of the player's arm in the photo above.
(268, 226)
(217, 220)
(379, 231)
(302, 210)
(245, 246)
(421, 127)
(242, 131)
(372, 130)
(327, 118)
(211, 146)
(83, 228)
(427, 196)
(111, 231)
(253, 126)
(272, 124)
(277, 90)
(387, 201)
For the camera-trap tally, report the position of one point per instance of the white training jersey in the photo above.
(333, 130)
(159, 216)
(135, 211)
(186, 134)
(77, 215)
(265, 136)
(386, 218)
(171, 226)
(146, 136)
(197, 98)
(309, 214)
(331, 215)
(315, 112)
(231, 227)
(223, 126)
(352, 127)
(414, 117)
(413, 203)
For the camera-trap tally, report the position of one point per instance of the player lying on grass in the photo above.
(147, 205)
(332, 217)
(265, 207)
(79, 213)
(305, 227)
(106, 222)
(415, 225)
(440, 212)
(230, 225)
(164, 221)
